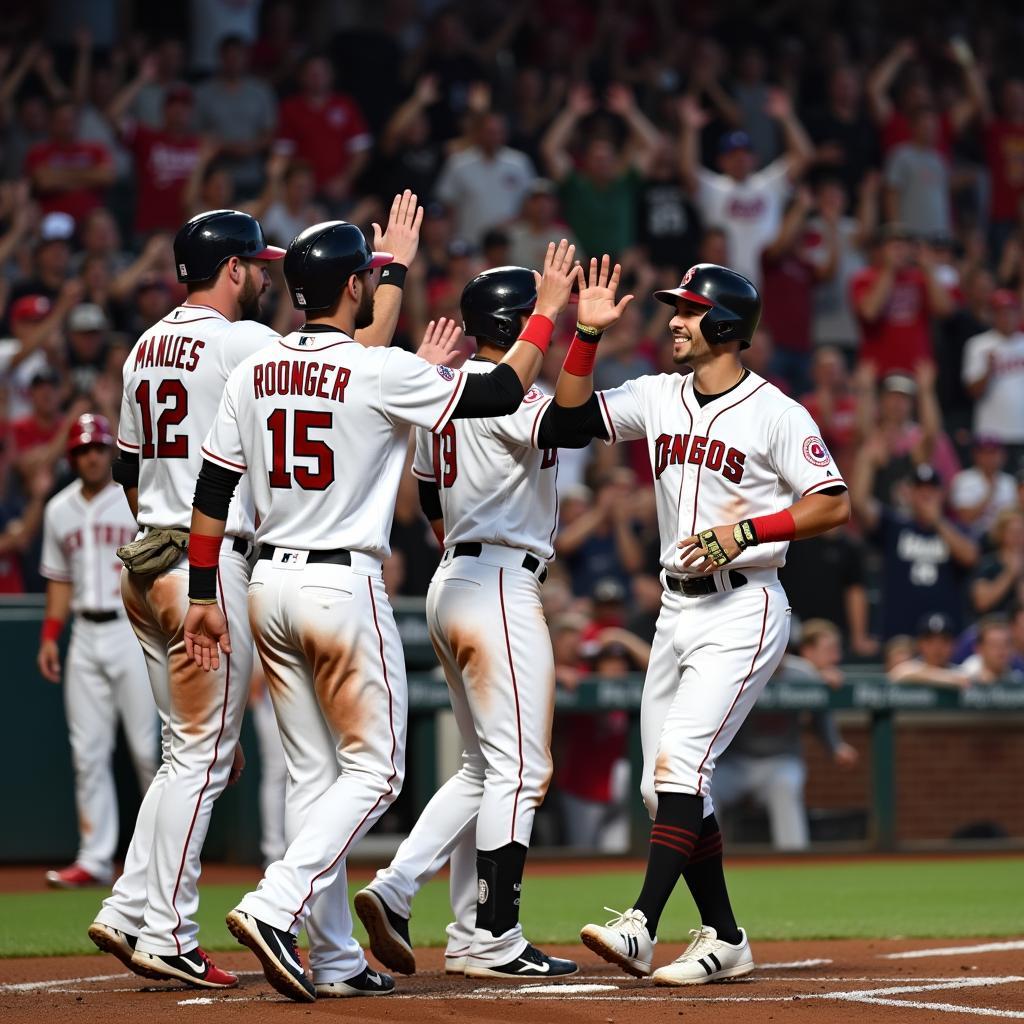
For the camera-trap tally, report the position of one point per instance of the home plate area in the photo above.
(859, 981)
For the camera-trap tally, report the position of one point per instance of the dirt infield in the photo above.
(857, 982)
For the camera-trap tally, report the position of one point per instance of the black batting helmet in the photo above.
(734, 306)
(493, 302)
(321, 259)
(209, 239)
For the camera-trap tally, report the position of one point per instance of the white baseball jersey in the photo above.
(750, 452)
(319, 423)
(999, 412)
(496, 486)
(80, 539)
(173, 380)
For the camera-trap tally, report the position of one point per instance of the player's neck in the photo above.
(215, 298)
(341, 321)
(717, 375)
(89, 491)
(491, 353)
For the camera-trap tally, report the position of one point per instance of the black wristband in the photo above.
(587, 333)
(745, 535)
(393, 273)
(202, 582)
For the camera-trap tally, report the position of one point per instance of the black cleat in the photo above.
(389, 933)
(194, 968)
(531, 963)
(367, 982)
(277, 952)
(122, 945)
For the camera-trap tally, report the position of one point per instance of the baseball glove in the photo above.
(156, 551)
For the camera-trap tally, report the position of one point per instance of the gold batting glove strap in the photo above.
(202, 600)
(744, 534)
(588, 333)
(709, 542)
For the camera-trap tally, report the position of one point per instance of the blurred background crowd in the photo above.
(863, 164)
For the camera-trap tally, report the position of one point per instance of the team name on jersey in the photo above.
(285, 377)
(169, 350)
(104, 534)
(675, 449)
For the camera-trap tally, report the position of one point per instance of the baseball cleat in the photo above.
(531, 963)
(367, 982)
(388, 931)
(455, 964)
(707, 958)
(623, 941)
(122, 945)
(194, 968)
(276, 951)
(74, 876)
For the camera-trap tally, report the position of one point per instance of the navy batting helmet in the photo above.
(734, 306)
(321, 259)
(210, 239)
(493, 302)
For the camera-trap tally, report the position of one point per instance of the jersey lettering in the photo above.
(445, 466)
(169, 351)
(697, 450)
(550, 458)
(312, 379)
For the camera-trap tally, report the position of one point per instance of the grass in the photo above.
(886, 899)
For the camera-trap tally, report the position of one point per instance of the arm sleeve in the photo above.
(214, 490)
(125, 470)
(223, 443)
(800, 456)
(415, 392)
(423, 456)
(571, 428)
(127, 426)
(430, 500)
(498, 393)
(54, 564)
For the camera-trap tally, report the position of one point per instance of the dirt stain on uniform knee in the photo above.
(338, 682)
(474, 663)
(166, 600)
(193, 690)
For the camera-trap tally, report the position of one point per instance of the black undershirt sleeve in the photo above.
(126, 470)
(832, 492)
(498, 393)
(430, 499)
(571, 428)
(214, 489)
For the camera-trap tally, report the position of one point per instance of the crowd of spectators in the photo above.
(865, 167)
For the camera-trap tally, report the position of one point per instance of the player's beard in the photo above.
(249, 300)
(364, 312)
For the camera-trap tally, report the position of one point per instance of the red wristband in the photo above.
(538, 331)
(52, 629)
(203, 550)
(778, 526)
(580, 359)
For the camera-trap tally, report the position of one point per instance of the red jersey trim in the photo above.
(536, 421)
(423, 476)
(127, 445)
(450, 407)
(222, 460)
(606, 416)
(832, 482)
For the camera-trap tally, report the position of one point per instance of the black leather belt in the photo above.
(241, 546)
(530, 562)
(98, 616)
(698, 586)
(337, 556)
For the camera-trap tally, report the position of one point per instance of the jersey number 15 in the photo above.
(302, 446)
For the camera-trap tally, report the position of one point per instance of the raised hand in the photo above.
(206, 635)
(402, 237)
(555, 284)
(441, 344)
(691, 114)
(598, 308)
(778, 104)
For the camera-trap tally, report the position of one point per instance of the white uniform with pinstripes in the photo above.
(80, 539)
(319, 426)
(750, 452)
(173, 380)
(488, 628)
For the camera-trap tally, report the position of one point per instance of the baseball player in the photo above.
(488, 489)
(319, 424)
(82, 527)
(740, 471)
(173, 379)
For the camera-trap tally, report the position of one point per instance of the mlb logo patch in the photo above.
(305, 341)
(447, 372)
(181, 270)
(300, 298)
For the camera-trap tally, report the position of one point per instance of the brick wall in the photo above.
(950, 774)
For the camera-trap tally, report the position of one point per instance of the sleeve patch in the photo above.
(815, 451)
(447, 372)
(533, 395)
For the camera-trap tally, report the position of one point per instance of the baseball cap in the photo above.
(87, 316)
(44, 376)
(608, 591)
(901, 383)
(935, 624)
(925, 476)
(1004, 298)
(30, 307)
(987, 441)
(56, 227)
(732, 141)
